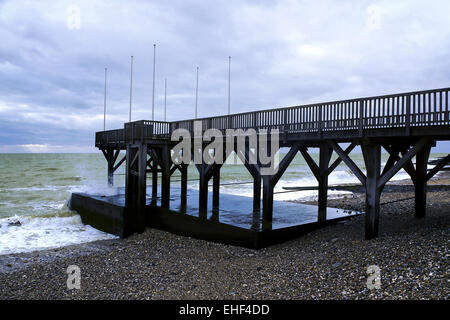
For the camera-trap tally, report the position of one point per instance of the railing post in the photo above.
(361, 118)
(408, 115)
(320, 121)
(446, 116)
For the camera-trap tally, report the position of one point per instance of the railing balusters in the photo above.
(446, 107)
(400, 110)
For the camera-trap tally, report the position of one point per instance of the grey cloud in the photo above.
(283, 53)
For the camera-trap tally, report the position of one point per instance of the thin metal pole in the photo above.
(196, 96)
(104, 105)
(229, 82)
(165, 98)
(131, 85)
(153, 97)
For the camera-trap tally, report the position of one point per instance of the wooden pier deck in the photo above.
(404, 124)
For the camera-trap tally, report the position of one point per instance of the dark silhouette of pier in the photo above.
(405, 125)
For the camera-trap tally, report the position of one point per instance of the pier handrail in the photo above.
(402, 110)
(108, 137)
(417, 108)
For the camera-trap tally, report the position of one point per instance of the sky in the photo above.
(53, 56)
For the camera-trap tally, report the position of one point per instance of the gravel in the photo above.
(330, 263)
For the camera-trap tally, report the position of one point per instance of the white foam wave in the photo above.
(95, 189)
(338, 177)
(25, 234)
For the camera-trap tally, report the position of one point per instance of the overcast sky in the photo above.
(53, 55)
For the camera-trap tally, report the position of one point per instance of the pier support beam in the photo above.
(257, 193)
(321, 173)
(270, 181)
(110, 168)
(203, 189)
(111, 156)
(166, 163)
(184, 178)
(324, 160)
(418, 175)
(206, 172)
(135, 188)
(216, 188)
(268, 187)
(372, 160)
(254, 170)
(374, 182)
(420, 182)
(154, 182)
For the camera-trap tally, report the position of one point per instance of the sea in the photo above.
(35, 189)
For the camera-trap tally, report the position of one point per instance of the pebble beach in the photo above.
(330, 263)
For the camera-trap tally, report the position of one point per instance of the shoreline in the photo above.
(394, 191)
(327, 263)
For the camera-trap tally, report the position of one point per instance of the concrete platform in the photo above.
(233, 224)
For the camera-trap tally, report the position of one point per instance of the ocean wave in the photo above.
(25, 234)
(70, 179)
(337, 177)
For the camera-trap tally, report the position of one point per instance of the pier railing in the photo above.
(403, 110)
(146, 129)
(109, 138)
(421, 108)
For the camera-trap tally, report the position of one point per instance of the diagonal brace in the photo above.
(349, 162)
(406, 157)
(442, 163)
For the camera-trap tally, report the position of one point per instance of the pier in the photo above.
(405, 125)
